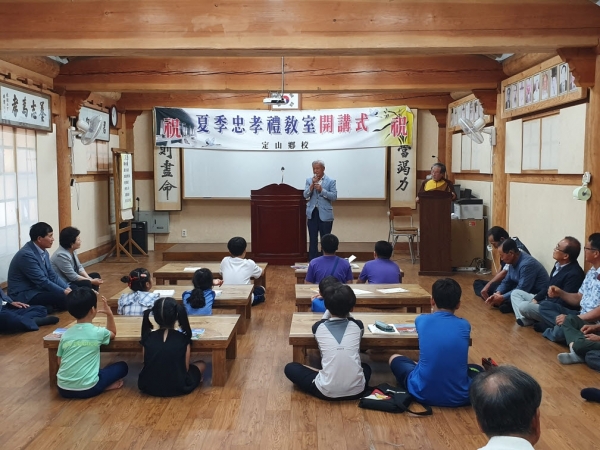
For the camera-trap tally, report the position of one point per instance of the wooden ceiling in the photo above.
(416, 51)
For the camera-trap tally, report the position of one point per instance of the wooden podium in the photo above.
(278, 224)
(435, 240)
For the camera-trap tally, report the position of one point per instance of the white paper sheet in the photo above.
(392, 290)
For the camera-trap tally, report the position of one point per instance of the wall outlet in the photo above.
(184, 233)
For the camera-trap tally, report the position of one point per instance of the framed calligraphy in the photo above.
(167, 179)
(25, 109)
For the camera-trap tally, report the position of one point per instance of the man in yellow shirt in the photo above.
(438, 181)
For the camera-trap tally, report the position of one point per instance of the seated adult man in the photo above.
(582, 331)
(381, 270)
(16, 316)
(566, 274)
(31, 278)
(524, 273)
(329, 263)
(507, 402)
(581, 303)
(496, 236)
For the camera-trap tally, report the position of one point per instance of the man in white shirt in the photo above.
(507, 401)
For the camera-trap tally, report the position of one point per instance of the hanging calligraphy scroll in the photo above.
(403, 173)
(167, 179)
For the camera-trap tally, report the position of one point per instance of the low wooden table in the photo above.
(219, 338)
(174, 272)
(302, 338)
(233, 296)
(416, 298)
(301, 273)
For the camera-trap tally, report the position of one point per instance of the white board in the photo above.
(359, 173)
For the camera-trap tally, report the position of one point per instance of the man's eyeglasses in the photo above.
(559, 249)
(591, 249)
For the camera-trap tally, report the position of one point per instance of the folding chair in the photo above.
(401, 224)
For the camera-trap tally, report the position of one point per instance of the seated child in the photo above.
(167, 371)
(329, 263)
(136, 302)
(442, 376)
(235, 269)
(199, 301)
(317, 303)
(381, 270)
(343, 376)
(79, 374)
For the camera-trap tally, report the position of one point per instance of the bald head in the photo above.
(506, 402)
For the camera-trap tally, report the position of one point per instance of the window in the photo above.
(18, 191)
(541, 142)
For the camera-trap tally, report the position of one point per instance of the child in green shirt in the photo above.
(79, 374)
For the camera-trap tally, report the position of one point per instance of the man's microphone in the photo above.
(282, 170)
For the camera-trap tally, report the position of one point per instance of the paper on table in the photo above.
(360, 291)
(373, 329)
(354, 266)
(392, 290)
(165, 292)
(217, 293)
(191, 269)
(351, 258)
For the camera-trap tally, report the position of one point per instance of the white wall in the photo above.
(47, 178)
(89, 213)
(542, 214)
(427, 140)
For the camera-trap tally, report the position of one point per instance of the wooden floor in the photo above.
(216, 252)
(259, 409)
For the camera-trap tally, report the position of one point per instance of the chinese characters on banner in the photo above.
(327, 129)
(25, 109)
(126, 185)
(167, 179)
(403, 175)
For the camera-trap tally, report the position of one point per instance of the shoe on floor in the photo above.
(524, 322)
(540, 327)
(570, 358)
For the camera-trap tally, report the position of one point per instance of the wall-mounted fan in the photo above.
(475, 130)
(87, 132)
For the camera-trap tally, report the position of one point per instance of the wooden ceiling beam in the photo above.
(520, 62)
(290, 27)
(147, 101)
(582, 64)
(38, 64)
(488, 99)
(302, 74)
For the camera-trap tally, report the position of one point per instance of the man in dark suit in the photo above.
(31, 279)
(566, 274)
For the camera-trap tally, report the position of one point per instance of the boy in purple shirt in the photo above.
(381, 270)
(329, 263)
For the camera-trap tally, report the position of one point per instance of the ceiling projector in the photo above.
(276, 99)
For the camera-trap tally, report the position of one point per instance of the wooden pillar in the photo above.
(441, 116)
(499, 201)
(592, 156)
(63, 165)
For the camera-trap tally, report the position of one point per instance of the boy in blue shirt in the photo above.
(442, 376)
